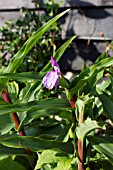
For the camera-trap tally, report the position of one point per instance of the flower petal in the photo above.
(51, 79)
(55, 64)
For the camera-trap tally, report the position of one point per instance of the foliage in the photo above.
(41, 131)
(15, 33)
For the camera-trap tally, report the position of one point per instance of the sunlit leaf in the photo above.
(55, 159)
(88, 125)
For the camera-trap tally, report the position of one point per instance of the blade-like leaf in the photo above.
(102, 56)
(58, 53)
(102, 86)
(5, 151)
(16, 60)
(41, 113)
(103, 144)
(31, 115)
(25, 76)
(85, 127)
(36, 144)
(45, 104)
(106, 103)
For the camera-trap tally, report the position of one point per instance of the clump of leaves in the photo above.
(45, 132)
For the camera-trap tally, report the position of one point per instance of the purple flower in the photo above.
(51, 79)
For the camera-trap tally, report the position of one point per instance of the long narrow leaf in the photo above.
(25, 76)
(5, 151)
(45, 104)
(59, 53)
(106, 102)
(16, 60)
(36, 144)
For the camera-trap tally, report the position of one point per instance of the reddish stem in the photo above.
(81, 155)
(80, 144)
(14, 116)
(72, 101)
(81, 148)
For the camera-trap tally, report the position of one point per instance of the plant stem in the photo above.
(14, 116)
(81, 165)
(81, 148)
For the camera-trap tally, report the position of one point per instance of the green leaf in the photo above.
(47, 130)
(64, 135)
(17, 59)
(101, 57)
(28, 93)
(36, 144)
(104, 85)
(6, 124)
(98, 110)
(106, 165)
(45, 104)
(87, 126)
(55, 159)
(31, 89)
(13, 90)
(8, 163)
(89, 74)
(41, 113)
(106, 103)
(64, 83)
(83, 103)
(25, 76)
(5, 151)
(58, 53)
(103, 144)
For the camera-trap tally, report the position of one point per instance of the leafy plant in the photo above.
(39, 131)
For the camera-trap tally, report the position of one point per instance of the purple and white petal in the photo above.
(51, 80)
